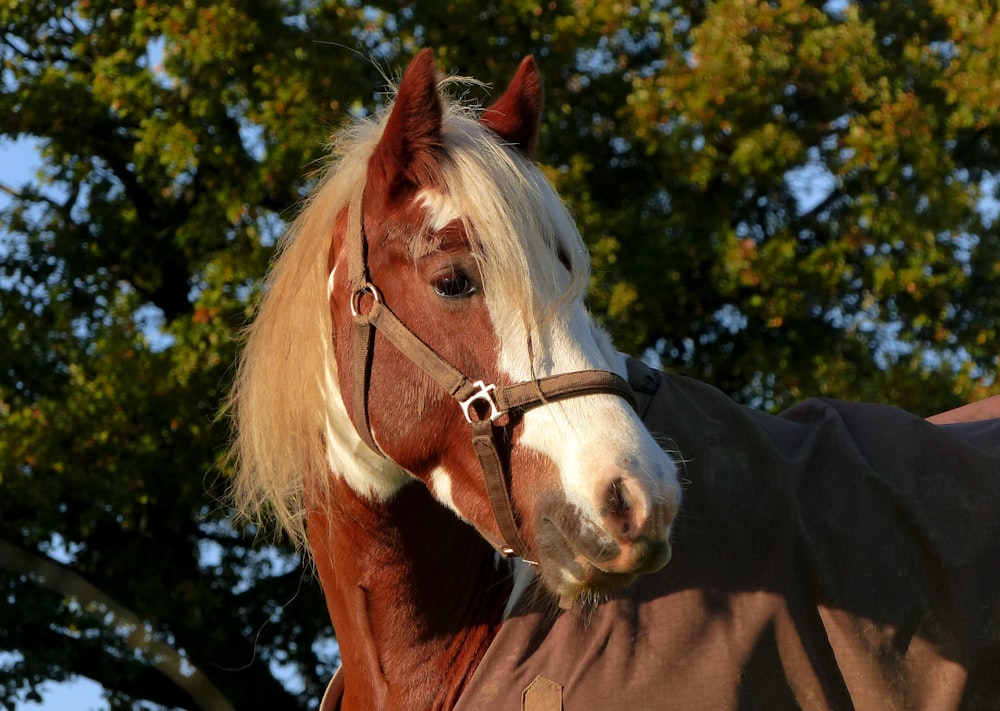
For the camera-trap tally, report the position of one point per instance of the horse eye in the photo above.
(454, 285)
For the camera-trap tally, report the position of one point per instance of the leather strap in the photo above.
(496, 489)
(422, 355)
(524, 396)
(519, 396)
(364, 334)
(364, 344)
(357, 244)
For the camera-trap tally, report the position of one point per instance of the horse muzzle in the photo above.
(630, 537)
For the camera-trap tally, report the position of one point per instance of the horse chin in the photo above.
(590, 587)
(574, 568)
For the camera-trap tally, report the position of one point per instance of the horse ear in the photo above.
(406, 155)
(516, 115)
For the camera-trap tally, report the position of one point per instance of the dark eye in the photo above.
(454, 285)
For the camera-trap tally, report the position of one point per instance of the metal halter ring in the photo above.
(368, 288)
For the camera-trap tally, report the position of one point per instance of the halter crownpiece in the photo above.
(482, 403)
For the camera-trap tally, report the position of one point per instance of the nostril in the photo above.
(617, 500)
(618, 507)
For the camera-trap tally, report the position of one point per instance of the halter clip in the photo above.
(484, 392)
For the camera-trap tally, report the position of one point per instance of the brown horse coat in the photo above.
(841, 556)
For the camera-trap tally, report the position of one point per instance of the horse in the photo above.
(437, 223)
(425, 403)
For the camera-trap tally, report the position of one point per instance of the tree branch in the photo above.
(51, 576)
(80, 656)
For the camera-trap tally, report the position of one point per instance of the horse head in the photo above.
(474, 253)
(454, 281)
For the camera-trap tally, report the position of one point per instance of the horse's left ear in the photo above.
(516, 115)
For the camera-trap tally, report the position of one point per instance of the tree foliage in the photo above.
(785, 198)
(825, 169)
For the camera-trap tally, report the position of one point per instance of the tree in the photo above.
(175, 139)
(784, 198)
(824, 167)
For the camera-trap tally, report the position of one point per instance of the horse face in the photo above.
(595, 495)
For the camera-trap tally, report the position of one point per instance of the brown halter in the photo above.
(481, 403)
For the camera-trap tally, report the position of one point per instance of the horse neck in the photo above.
(415, 596)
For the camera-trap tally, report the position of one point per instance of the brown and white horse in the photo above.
(422, 393)
(422, 351)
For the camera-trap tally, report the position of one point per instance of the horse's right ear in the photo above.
(406, 155)
(516, 115)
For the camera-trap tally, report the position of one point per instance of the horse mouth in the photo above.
(575, 564)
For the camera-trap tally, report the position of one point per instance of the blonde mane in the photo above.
(290, 426)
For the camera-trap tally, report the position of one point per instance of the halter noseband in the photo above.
(481, 403)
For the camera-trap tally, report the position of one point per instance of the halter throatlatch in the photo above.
(482, 404)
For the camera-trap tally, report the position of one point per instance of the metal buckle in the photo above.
(508, 552)
(485, 393)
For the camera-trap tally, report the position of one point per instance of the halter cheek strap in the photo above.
(364, 334)
(482, 404)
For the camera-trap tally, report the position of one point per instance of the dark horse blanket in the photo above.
(840, 555)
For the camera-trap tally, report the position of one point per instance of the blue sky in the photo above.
(18, 162)
(82, 695)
